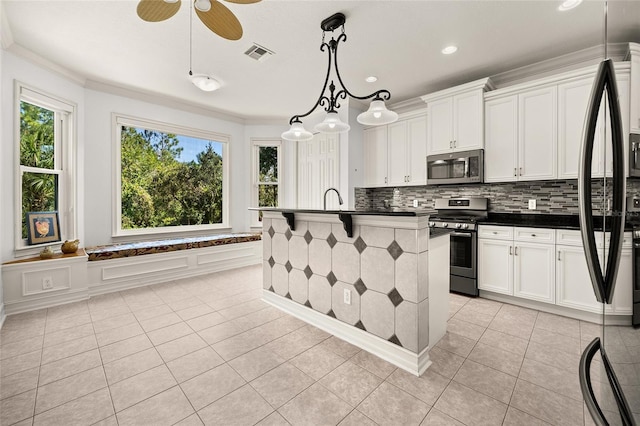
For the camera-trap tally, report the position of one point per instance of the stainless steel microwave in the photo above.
(634, 154)
(456, 167)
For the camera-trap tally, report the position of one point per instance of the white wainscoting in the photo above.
(77, 279)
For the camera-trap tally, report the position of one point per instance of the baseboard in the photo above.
(557, 310)
(3, 315)
(46, 301)
(411, 362)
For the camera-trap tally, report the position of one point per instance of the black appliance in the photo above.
(634, 154)
(635, 319)
(461, 216)
(615, 345)
(456, 167)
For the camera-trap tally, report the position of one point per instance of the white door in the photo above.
(495, 266)
(440, 125)
(318, 169)
(537, 134)
(573, 283)
(468, 121)
(534, 271)
(417, 144)
(501, 139)
(375, 155)
(397, 151)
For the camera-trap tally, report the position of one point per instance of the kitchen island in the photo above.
(373, 278)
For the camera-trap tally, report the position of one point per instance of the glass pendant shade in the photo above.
(203, 5)
(297, 132)
(206, 83)
(377, 114)
(332, 124)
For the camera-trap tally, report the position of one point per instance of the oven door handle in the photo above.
(461, 234)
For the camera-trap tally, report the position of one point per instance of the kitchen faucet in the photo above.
(325, 197)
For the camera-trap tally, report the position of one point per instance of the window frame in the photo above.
(118, 121)
(65, 157)
(256, 144)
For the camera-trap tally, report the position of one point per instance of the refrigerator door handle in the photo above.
(587, 390)
(603, 285)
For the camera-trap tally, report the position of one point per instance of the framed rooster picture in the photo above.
(42, 227)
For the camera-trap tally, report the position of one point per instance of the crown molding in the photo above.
(560, 64)
(481, 84)
(160, 99)
(46, 64)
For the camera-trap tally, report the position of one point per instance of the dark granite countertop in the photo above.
(387, 212)
(541, 220)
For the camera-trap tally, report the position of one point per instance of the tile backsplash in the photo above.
(556, 197)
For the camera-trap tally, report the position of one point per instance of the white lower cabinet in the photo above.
(623, 293)
(534, 271)
(573, 284)
(495, 266)
(511, 264)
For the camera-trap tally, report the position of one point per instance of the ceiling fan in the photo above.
(216, 16)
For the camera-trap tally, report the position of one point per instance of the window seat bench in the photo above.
(117, 251)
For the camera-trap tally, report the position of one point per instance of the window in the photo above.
(169, 178)
(267, 176)
(45, 163)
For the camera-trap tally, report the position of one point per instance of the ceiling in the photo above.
(104, 44)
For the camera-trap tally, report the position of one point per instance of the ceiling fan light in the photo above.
(203, 5)
(332, 124)
(297, 132)
(205, 83)
(171, 1)
(377, 114)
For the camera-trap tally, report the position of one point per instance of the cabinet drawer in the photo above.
(535, 235)
(495, 232)
(569, 237)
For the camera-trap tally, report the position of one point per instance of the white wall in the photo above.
(16, 68)
(99, 158)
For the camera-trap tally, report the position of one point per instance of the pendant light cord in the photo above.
(190, 39)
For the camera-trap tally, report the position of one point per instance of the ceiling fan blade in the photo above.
(243, 1)
(221, 21)
(157, 10)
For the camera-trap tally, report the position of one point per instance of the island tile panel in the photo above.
(385, 269)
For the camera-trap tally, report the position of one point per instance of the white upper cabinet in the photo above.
(456, 118)
(520, 138)
(537, 134)
(634, 106)
(501, 139)
(375, 156)
(395, 154)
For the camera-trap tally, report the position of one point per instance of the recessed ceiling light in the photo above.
(449, 50)
(371, 79)
(568, 5)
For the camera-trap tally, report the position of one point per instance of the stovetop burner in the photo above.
(458, 213)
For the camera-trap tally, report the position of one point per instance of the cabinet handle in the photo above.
(385, 179)
(510, 251)
(515, 171)
(454, 144)
(495, 232)
(450, 144)
(533, 235)
(559, 256)
(515, 251)
(520, 171)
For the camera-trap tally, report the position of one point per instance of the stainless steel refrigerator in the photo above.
(610, 364)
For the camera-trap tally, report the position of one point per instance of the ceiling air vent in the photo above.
(258, 52)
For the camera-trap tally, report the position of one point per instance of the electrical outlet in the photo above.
(415, 203)
(532, 204)
(47, 283)
(347, 296)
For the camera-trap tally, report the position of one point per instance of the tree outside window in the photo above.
(170, 180)
(267, 181)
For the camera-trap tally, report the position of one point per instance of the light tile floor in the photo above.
(208, 350)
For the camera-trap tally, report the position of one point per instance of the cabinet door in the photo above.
(534, 271)
(495, 266)
(573, 99)
(468, 121)
(623, 292)
(375, 155)
(397, 153)
(501, 139)
(440, 125)
(623, 84)
(537, 134)
(417, 143)
(573, 284)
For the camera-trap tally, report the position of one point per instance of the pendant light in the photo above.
(204, 82)
(376, 115)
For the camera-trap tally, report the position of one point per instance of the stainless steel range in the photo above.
(461, 215)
